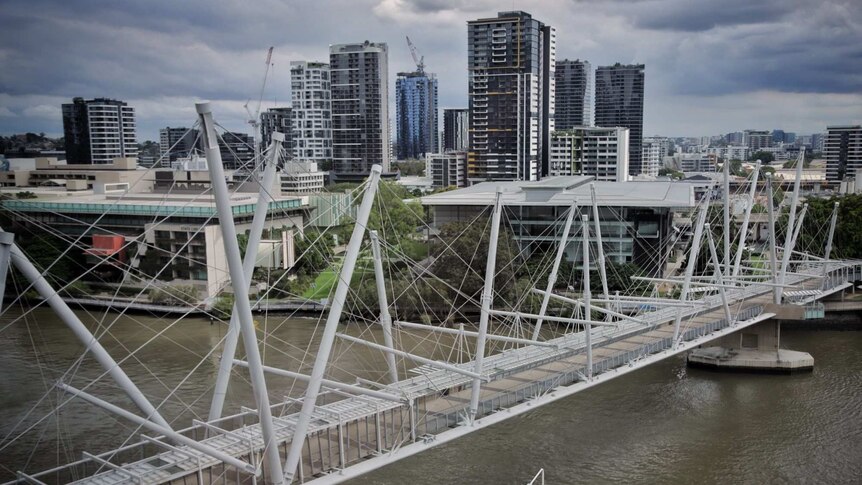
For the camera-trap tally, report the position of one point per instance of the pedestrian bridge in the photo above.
(353, 434)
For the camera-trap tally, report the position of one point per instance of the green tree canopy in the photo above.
(764, 157)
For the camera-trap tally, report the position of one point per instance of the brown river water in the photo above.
(662, 424)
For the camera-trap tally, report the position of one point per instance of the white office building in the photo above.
(312, 111)
(602, 153)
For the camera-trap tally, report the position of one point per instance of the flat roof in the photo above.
(162, 205)
(564, 190)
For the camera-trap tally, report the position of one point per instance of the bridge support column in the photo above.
(753, 349)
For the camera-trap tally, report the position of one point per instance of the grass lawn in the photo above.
(322, 285)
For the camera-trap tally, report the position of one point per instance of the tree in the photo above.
(410, 167)
(669, 172)
(847, 242)
(764, 157)
(314, 252)
(461, 254)
(393, 218)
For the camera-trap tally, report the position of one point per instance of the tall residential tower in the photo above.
(416, 114)
(360, 110)
(312, 111)
(620, 102)
(511, 60)
(98, 130)
(574, 104)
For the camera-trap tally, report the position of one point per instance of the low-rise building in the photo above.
(120, 174)
(636, 217)
(301, 177)
(447, 169)
(602, 153)
(136, 234)
(695, 162)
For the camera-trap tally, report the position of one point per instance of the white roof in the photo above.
(563, 190)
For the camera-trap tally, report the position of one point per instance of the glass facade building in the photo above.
(360, 109)
(415, 115)
(574, 90)
(620, 102)
(511, 60)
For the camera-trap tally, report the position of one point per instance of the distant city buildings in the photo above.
(574, 94)
(729, 152)
(416, 114)
(447, 169)
(281, 120)
(455, 129)
(98, 130)
(602, 153)
(620, 102)
(756, 140)
(652, 155)
(510, 62)
(176, 143)
(843, 151)
(311, 103)
(301, 177)
(695, 162)
(237, 150)
(360, 109)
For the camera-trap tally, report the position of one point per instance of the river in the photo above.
(665, 423)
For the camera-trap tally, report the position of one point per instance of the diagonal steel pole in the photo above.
(743, 233)
(552, 277)
(329, 331)
(487, 298)
(272, 461)
(254, 236)
(791, 221)
(385, 317)
(41, 285)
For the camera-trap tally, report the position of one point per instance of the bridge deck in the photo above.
(352, 429)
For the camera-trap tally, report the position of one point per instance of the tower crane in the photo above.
(254, 119)
(420, 61)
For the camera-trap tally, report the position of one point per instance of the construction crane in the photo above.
(420, 61)
(254, 119)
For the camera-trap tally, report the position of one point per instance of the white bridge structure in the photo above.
(336, 430)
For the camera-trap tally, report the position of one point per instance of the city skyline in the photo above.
(706, 63)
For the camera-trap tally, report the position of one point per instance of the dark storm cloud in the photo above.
(693, 16)
(162, 54)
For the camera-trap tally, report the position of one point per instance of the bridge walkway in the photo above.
(349, 430)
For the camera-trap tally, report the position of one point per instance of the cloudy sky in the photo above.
(712, 66)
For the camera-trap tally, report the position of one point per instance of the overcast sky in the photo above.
(712, 66)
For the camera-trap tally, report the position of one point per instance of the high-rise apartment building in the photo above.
(842, 148)
(756, 140)
(602, 153)
(175, 143)
(455, 129)
(360, 110)
(98, 130)
(415, 114)
(574, 93)
(511, 60)
(620, 102)
(310, 88)
(281, 120)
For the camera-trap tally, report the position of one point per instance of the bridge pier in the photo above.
(753, 349)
